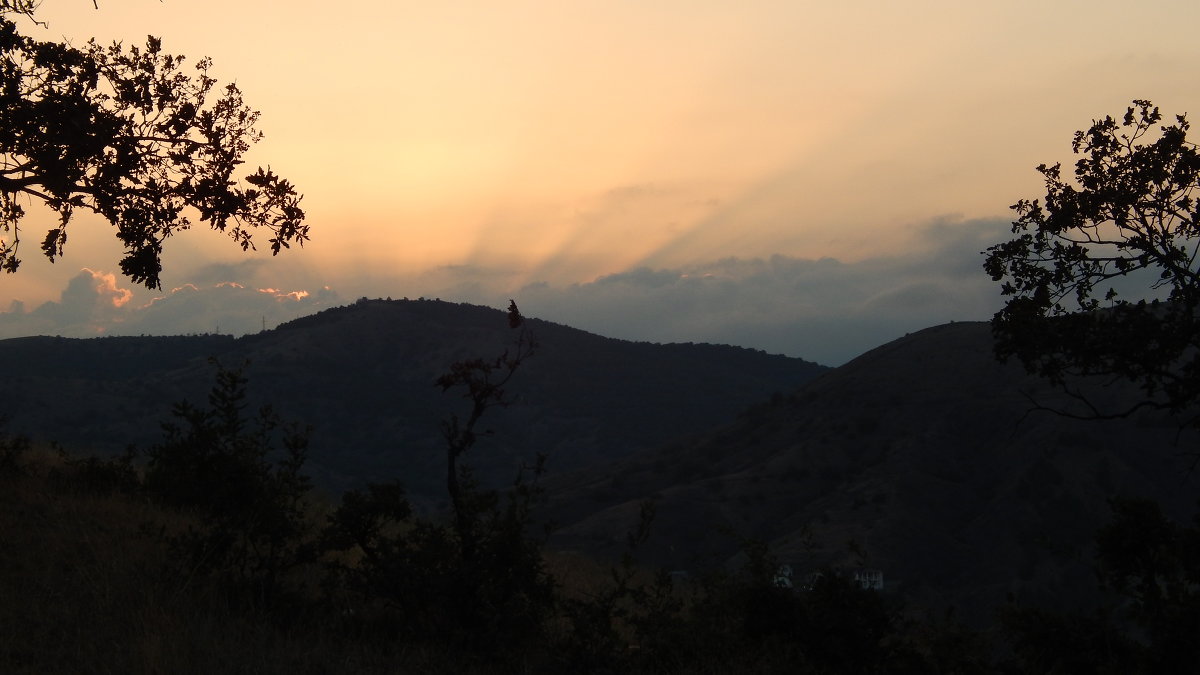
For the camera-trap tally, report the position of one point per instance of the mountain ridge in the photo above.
(363, 375)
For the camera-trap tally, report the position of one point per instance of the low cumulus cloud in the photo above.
(95, 304)
(91, 302)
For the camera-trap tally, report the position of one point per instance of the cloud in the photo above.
(91, 304)
(94, 303)
(820, 309)
(226, 307)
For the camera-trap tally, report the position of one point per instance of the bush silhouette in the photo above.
(249, 496)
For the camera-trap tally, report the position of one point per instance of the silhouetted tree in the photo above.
(483, 383)
(1128, 219)
(1154, 564)
(477, 582)
(127, 133)
(12, 448)
(250, 496)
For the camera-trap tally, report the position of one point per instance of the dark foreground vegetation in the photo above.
(112, 566)
(210, 552)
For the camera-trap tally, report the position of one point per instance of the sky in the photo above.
(803, 178)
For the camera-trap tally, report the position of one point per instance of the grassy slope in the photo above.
(83, 591)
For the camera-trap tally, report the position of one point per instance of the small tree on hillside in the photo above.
(483, 383)
(249, 495)
(1130, 218)
(478, 580)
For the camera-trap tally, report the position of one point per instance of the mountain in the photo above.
(924, 458)
(363, 377)
(921, 458)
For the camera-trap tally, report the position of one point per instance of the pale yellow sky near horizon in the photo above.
(567, 140)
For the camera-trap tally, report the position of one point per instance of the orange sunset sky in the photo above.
(819, 159)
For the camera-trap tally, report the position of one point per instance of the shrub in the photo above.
(250, 499)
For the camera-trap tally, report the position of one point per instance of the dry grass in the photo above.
(76, 573)
(82, 589)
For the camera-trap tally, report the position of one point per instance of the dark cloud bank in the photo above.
(822, 310)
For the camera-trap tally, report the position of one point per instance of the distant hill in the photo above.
(363, 377)
(921, 458)
(924, 453)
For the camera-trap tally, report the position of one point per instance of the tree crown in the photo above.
(1130, 217)
(128, 133)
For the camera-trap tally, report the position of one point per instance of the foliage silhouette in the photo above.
(128, 134)
(1152, 565)
(830, 625)
(102, 475)
(1044, 641)
(480, 581)
(483, 382)
(1129, 217)
(250, 497)
(407, 575)
(746, 621)
(629, 610)
(12, 448)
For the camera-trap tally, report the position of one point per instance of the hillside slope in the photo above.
(921, 458)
